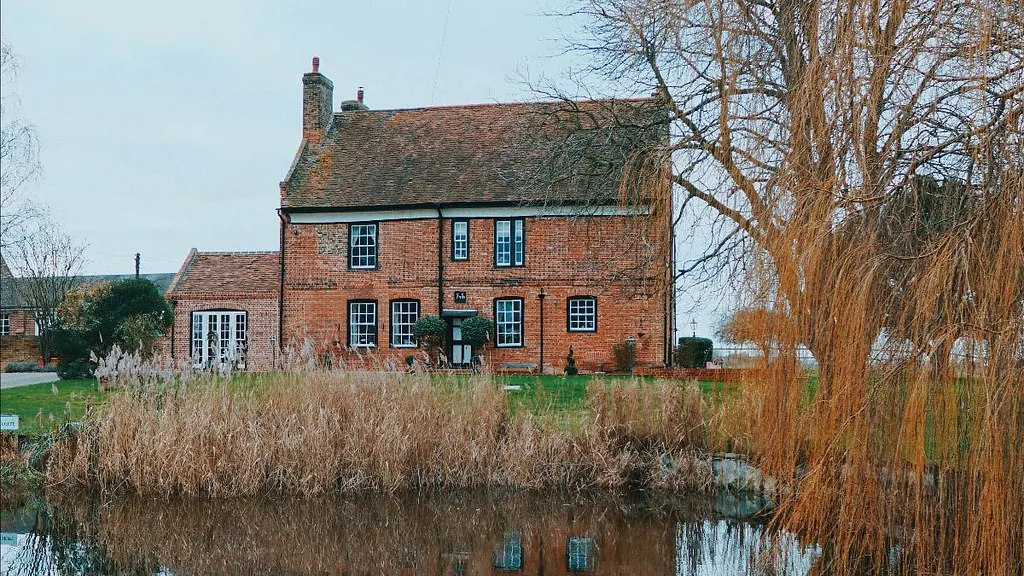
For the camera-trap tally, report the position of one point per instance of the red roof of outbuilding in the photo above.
(235, 273)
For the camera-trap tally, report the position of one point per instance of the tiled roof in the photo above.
(11, 298)
(205, 273)
(489, 153)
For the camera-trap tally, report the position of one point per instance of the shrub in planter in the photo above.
(570, 364)
(477, 330)
(430, 331)
(694, 352)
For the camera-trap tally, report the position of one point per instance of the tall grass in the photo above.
(316, 432)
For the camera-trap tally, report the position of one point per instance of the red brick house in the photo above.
(456, 211)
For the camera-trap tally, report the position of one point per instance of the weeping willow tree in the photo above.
(859, 166)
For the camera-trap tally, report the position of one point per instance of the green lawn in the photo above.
(539, 394)
(550, 393)
(58, 401)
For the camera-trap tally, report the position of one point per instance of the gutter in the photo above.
(438, 205)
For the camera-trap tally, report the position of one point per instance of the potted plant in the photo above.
(477, 331)
(430, 331)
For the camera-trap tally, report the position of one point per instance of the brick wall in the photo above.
(22, 322)
(261, 315)
(564, 257)
(18, 348)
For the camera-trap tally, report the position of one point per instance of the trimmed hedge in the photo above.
(694, 352)
(19, 367)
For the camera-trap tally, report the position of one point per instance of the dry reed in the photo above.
(323, 431)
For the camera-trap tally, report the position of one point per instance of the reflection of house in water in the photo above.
(510, 555)
(553, 548)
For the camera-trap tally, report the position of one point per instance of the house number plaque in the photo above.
(460, 297)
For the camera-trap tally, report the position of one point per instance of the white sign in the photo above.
(8, 422)
(9, 538)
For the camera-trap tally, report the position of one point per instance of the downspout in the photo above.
(440, 260)
(280, 294)
(174, 304)
(670, 296)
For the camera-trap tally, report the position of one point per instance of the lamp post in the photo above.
(693, 324)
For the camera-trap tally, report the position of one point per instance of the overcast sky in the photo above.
(168, 125)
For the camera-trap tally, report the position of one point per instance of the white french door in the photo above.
(219, 337)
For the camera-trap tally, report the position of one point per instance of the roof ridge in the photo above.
(497, 104)
(231, 253)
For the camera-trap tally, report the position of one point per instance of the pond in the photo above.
(452, 533)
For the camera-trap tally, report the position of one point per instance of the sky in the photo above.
(168, 125)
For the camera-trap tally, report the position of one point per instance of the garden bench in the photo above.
(518, 366)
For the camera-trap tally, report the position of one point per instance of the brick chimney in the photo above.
(317, 103)
(354, 105)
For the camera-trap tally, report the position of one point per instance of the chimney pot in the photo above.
(359, 95)
(316, 64)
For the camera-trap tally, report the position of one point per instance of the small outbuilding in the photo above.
(226, 309)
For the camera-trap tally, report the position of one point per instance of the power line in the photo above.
(440, 52)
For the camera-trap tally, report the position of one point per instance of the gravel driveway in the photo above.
(25, 379)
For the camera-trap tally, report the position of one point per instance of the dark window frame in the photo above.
(522, 321)
(568, 323)
(376, 240)
(376, 322)
(453, 223)
(391, 323)
(511, 242)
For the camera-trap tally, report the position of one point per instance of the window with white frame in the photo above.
(509, 242)
(510, 555)
(460, 240)
(508, 322)
(219, 337)
(362, 324)
(581, 314)
(5, 324)
(362, 246)
(404, 314)
(580, 554)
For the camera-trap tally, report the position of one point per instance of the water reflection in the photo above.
(444, 534)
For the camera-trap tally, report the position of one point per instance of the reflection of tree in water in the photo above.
(730, 546)
(55, 544)
(452, 533)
